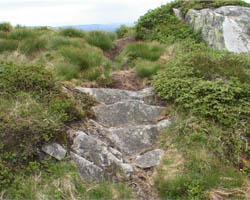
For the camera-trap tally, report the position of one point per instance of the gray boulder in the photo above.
(111, 96)
(132, 140)
(128, 113)
(88, 171)
(55, 150)
(149, 159)
(227, 27)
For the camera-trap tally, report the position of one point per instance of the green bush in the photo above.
(33, 111)
(28, 78)
(219, 99)
(72, 32)
(5, 27)
(33, 45)
(124, 31)
(99, 39)
(8, 45)
(21, 33)
(84, 58)
(67, 72)
(147, 51)
(146, 68)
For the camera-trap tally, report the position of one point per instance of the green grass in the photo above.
(71, 32)
(201, 171)
(60, 180)
(146, 68)
(8, 45)
(5, 27)
(84, 58)
(22, 33)
(33, 45)
(143, 50)
(67, 72)
(33, 111)
(59, 42)
(100, 39)
(125, 31)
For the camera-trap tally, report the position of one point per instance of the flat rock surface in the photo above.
(55, 150)
(149, 159)
(88, 170)
(111, 96)
(128, 113)
(132, 140)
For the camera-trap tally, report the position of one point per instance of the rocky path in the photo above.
(121, 138)
(118, 144)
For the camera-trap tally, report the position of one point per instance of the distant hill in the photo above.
(102, 27)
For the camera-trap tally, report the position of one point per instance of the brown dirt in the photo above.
(127, 80)
(118, 47)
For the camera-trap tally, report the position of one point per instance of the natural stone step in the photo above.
(128, 113)
(149, 159)
(111, 96)
(55, 150)
(98, 152)
(88, 170)
(133, 140)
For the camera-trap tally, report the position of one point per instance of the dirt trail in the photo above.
(118, 47)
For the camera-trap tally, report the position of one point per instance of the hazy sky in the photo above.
(74, 12)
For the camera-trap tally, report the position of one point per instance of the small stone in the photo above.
(55, 150)
(149, 159)
(88, 171)
(127, 168)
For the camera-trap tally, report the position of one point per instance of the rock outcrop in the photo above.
(226, 28)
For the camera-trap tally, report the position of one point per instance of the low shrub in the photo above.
(84, 58)
(8, 45)
(143, 50)
(72, 32)
(5, 27)
(99, 39)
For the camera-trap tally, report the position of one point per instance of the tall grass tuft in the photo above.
(72, 32)
(8, 45)
(67, 72)
(21, 34)
(84, 58)
(32, 45)
(58, 42)
(147, 51)
(100, 39)
(146, 68)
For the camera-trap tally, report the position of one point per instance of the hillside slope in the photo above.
(204, 92)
